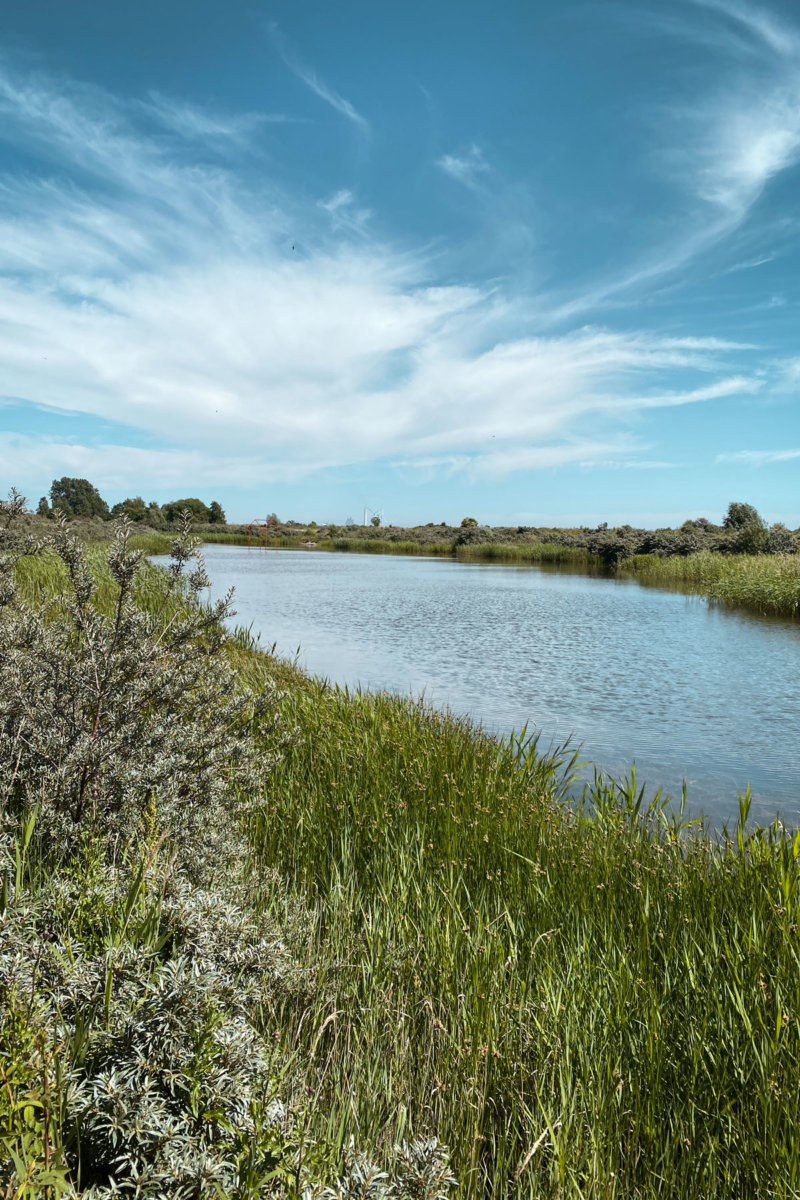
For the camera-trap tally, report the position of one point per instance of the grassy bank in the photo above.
(580, 1003)
(764, 583)
(419, 938)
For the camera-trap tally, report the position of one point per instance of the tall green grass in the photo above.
(581, 1001)
(228, 538)
(367, 545)
(765, 583)
(531, 552)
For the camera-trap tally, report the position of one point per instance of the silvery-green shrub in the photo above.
(120, 715)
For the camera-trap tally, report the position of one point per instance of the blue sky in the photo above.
(533, 262)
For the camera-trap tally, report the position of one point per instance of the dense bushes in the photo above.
(107, 716)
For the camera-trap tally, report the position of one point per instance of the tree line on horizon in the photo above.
(80, 498)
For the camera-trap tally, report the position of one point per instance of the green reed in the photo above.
(579, 999)
(531, 552)
(765, 583)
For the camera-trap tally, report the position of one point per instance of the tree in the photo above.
(43, 508)
(739, 515)
(469, 523)
(77, 498)
(198, 510)
(133, 508)
(216, 513)
(375, 521)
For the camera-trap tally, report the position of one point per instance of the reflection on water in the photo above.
(689, 691)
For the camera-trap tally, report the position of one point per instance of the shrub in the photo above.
(752, 538)
(781, 540)
(474, 535)
(105, 718)
(739, 515)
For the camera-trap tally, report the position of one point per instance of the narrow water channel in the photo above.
(688, 691)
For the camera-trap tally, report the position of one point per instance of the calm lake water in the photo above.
(688, 691)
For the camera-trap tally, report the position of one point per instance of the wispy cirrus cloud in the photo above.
(150, 289)
(307, 75)
(746, 129)
(236, 131)
(468, 169)
(718, 144)
(345, 212)
(759, 458)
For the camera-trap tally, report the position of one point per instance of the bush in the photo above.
(752, 538)
(739, 515)
(781, 540)
(105, 718)
(474, 535)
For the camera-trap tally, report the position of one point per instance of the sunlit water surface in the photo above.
(691, 692)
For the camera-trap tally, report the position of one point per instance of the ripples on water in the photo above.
(691, 692)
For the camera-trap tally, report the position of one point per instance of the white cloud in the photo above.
(719, 147)
(203, 124)
(345, 212)
(747, 128)
(307, 75)
(467, 169)
(759, 458)
(166, 297)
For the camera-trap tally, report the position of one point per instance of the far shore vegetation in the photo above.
(742, 561)
(265, 937)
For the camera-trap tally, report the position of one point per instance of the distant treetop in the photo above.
(199, 511)
(77, 498)
(739, 515)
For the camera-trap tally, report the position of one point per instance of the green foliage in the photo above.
(583, 999)
(155, 516)
(216, 513)
(77, 498)
(12, 508)
(752, 538)
(469, 523)
(474, 535)
(739, 515)
(781, 540)
(43, 508)
(104, 712)
(768, 584)
(135, 509)
(174, 510)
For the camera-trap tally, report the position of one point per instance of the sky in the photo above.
(533, 262)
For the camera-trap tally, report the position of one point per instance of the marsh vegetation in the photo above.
(375, 933)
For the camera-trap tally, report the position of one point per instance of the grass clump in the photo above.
(765, 583)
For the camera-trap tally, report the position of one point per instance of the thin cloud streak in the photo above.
(758, 458)
(466, 169)
(307, 75)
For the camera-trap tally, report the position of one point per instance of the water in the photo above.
(690, 692)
